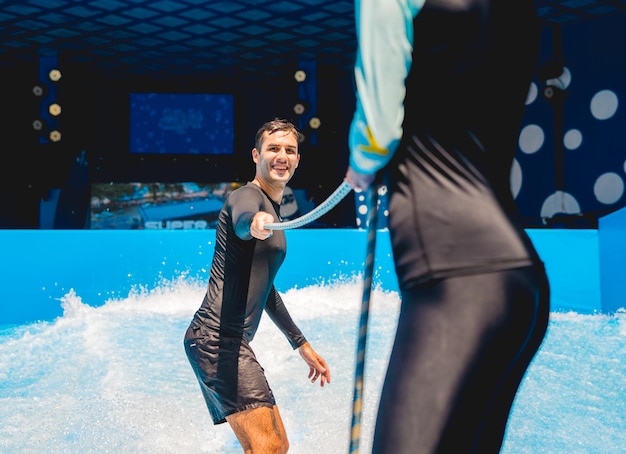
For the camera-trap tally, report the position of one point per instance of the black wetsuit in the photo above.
(240, 287)
(475, 297)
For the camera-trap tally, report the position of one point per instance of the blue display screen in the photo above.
(181, 123)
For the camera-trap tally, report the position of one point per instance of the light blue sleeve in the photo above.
(385, 44)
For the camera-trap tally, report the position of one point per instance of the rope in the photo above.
(332, 200)
(357, 403)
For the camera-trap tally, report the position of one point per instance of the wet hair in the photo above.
(277, 124)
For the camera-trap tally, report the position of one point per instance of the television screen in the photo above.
(181, 123)
(157, 206)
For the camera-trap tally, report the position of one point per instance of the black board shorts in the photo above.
(230, 377)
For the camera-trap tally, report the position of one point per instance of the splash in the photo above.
(114, 377)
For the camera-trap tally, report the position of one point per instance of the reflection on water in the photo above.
(115, 378)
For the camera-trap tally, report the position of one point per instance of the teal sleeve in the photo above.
(384, 57)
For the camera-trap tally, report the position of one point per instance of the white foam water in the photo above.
(115, 379)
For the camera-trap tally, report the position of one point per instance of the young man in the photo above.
(246, 260)
(441, 90)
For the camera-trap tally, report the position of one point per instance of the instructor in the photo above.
(441, 89)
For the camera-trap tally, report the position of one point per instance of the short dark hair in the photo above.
(272, 126)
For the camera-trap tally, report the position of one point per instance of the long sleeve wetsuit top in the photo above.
(241, 281)
(440, 97)
(441, 86)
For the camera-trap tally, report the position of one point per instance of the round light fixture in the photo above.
(54, 75)
(300, 76)
(54, 109)
(315, 123)
(55, 136)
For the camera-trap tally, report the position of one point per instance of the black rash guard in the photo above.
(241, 281)
(451, 208)
(241, 286)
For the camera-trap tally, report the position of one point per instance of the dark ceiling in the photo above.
(121, 38)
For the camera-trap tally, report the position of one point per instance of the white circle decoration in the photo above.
(532, 93)
(572, 139)
(565, 77)
(560, 202)
(609, 188)
(516, 178)
(531, 139)
(604, 104)
(562, 81)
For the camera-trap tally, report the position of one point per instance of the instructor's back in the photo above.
(441, 90)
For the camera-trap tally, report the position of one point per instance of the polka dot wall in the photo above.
(608, 185)
(570, 166)
(579, 168)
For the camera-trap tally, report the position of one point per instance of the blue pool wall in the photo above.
(39, 267)
(612, 251)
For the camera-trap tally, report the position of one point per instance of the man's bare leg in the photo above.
(260, 430)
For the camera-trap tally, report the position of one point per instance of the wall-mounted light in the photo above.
(54, 109)
(46, 90)
(300, 75)
(39, 90)
(55, 136)
(38, 125)
(54, 75)
(315, 123)
(300, 107)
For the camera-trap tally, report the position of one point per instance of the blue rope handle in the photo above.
(357, 402)
(332, 200)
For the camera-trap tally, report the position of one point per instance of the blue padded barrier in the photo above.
(612, 249)
(40, 266)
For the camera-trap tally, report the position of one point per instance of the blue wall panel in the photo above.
(612, 249)
(41, 266)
